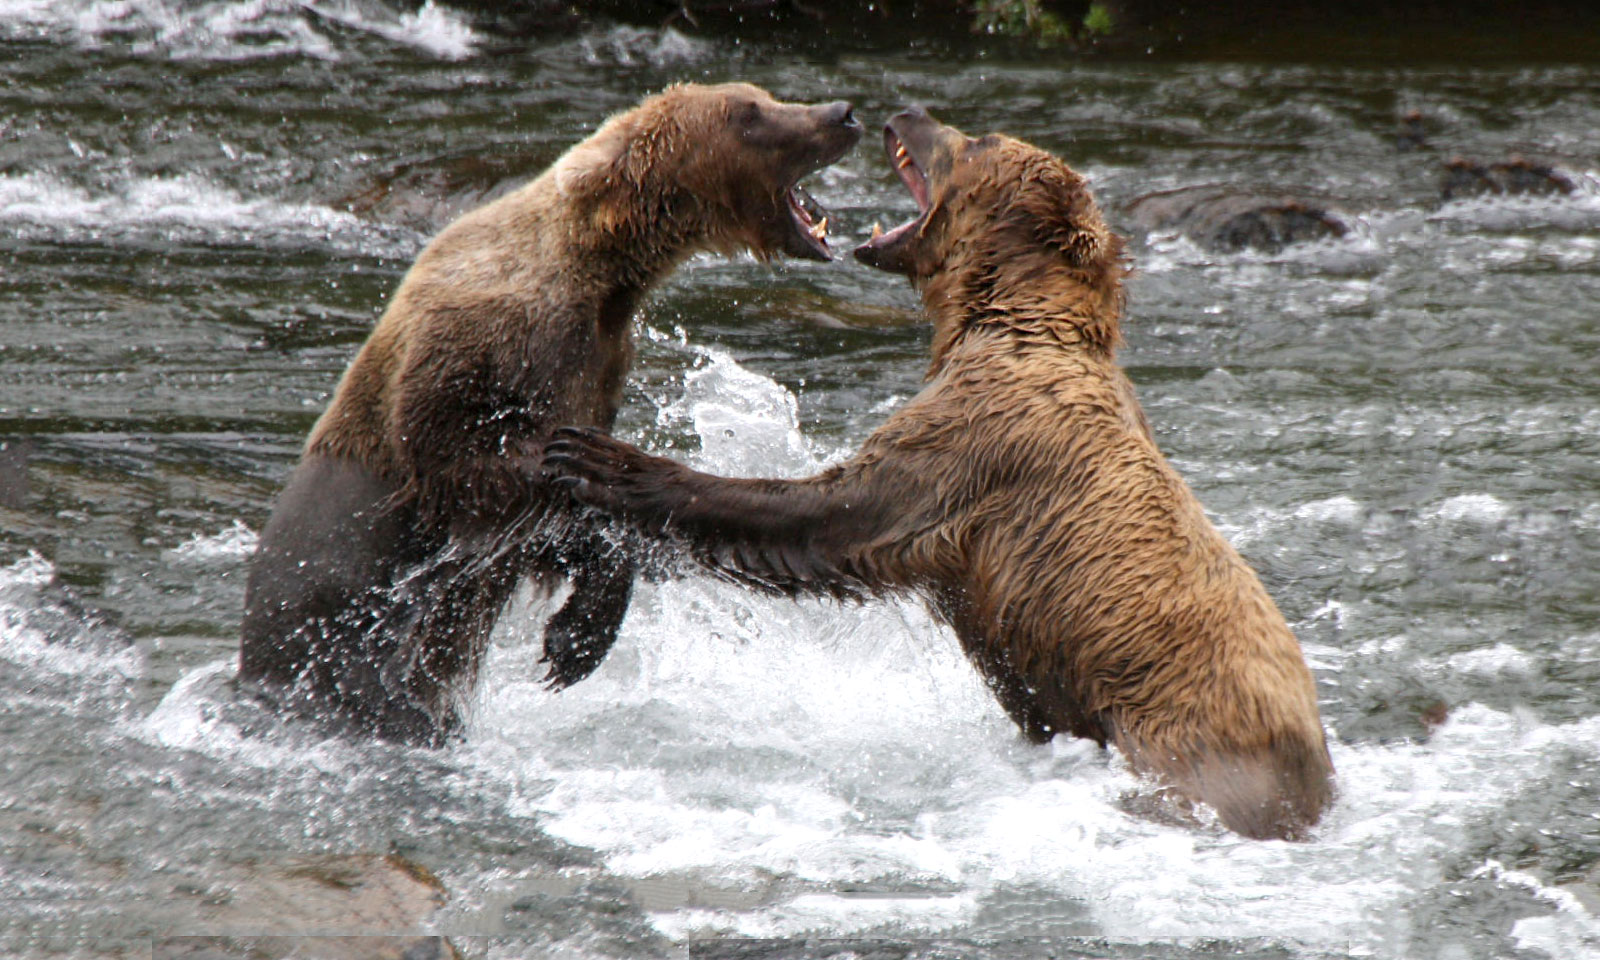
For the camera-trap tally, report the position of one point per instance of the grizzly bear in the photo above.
(1021, 493)
(418, 504)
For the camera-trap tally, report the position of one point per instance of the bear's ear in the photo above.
(588, 167)
(1062, 215)
(645, 147)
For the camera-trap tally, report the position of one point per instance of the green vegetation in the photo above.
(1030, 19)
(1098, 22)
(1568, 30)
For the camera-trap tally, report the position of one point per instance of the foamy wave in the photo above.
(42, 628)
(1502, 658)
(31, 571)
(1577, 211)
(1360, 251)
(1340, 513)
(1573, 931)
(432, 29)
(192, 209)
(631, 46)
(231, 546)
(205, 713)
(1339, 510)
(238, 29)
(1468, 508)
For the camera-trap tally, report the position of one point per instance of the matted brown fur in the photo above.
(418, 505)
(1022, 494)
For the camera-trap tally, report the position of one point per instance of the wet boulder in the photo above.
(1464, 177)
(1515, 176)
(1412, 134)
(1231, 219)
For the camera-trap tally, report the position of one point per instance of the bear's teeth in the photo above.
(820, 230)
(899, 150)
(905, 162)
(877, 230)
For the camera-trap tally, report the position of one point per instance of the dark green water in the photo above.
(1400, 429)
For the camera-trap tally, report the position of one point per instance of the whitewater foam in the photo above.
(184, 209)
(1573, 931)
(43, 628)
(735, 739)
(1577, 211)
(231, 546)
(239, 29)
(627, 46)
(845, 763)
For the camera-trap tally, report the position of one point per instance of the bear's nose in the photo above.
(840, 112)
(914, 112)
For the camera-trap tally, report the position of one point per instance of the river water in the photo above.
(1399, 428)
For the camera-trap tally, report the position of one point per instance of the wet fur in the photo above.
(418, 507)
(1022, 494)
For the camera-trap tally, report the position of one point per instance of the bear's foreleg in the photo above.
(578, 636)
(829, 534)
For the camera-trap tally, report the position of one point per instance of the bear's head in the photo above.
(1003, 228)
(720, 163)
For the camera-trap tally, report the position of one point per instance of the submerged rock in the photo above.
(14, 456)
(1516, 176)
(305, 948)
(1463, 177)
(1413, 133)
(428, 193)
(311, 907)
(1230, 219)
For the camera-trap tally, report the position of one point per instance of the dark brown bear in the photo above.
(1022, 494)
(418, 505)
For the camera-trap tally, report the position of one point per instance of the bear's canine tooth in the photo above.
(877, 229)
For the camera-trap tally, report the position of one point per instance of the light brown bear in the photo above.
(1021, 493)
(418, 505)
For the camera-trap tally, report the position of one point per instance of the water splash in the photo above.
(810, 750)
(748, 425)
(43, 627)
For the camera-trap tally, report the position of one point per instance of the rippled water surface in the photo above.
(1400, 429)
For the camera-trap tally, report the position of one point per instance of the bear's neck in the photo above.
(636, 246)
(1038, 302)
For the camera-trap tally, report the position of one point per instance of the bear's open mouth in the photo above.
(916, 182)
(810, 220)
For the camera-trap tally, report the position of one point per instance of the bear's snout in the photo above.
(840, 113)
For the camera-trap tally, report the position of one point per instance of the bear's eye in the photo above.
(748, 113)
